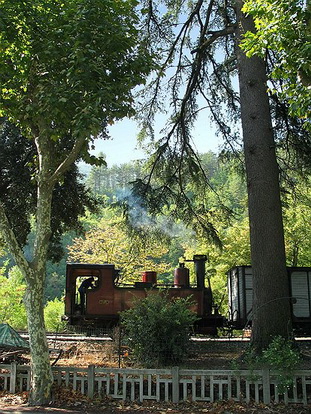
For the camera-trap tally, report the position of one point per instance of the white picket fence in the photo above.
(173, 384)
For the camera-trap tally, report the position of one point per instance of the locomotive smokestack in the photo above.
(199, 264)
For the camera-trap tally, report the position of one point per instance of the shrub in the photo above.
(12, 290)
(282, 358)
(158, 329)
(52, 315)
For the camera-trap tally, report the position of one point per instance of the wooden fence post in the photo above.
(175, 385)
(90, 381)
(13, 377)
(266, 386)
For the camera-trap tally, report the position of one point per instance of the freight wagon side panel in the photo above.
(300, 290)
(234, 310)
(248, 283)
(240, 292)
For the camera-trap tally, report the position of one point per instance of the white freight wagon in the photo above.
(240, 292)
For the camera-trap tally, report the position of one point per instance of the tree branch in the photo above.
(12, 243)
(69, 160)
(214, 36)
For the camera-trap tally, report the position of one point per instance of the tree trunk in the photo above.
(40, 362)
(41, 375)
(42, 378)
(271, 303)
(34, 271)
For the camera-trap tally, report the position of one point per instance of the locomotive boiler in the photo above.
(101, 305)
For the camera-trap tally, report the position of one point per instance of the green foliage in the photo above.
(235, 251)
(297, 226)
(70, 64)
(12, 290)
(18, 192)
(67, 70)
(284, 27)
(115, 180)
(52, 315)
(158, 329)
(108, 242)
(281, 357)
(228, 186)
(12, 309)
(55, 282)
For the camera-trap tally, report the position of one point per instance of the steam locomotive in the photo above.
(101, 305)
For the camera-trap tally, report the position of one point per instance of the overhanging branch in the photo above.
(214, 36)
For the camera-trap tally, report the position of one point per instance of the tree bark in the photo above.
(41, 374)
(51, 168)
(42, 378)
(271, 304)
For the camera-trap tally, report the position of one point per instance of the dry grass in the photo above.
(201, 355)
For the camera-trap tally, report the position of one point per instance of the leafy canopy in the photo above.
(66, 70)
(108, 242)
(284, 27)
(18, 190)
(69, 66)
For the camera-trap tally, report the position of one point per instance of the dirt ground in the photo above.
(203, 354)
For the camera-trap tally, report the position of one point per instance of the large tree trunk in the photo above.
(271, 303)
(34, 274)
(41, 376)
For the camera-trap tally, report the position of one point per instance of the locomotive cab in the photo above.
(81, 303)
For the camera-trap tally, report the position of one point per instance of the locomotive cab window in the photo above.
(84, 285)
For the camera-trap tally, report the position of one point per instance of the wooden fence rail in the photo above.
(172, 384)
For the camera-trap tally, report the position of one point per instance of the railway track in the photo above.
(71, 337)
(106, 337)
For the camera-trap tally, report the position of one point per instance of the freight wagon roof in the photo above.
(9, 338)
(289, 268)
